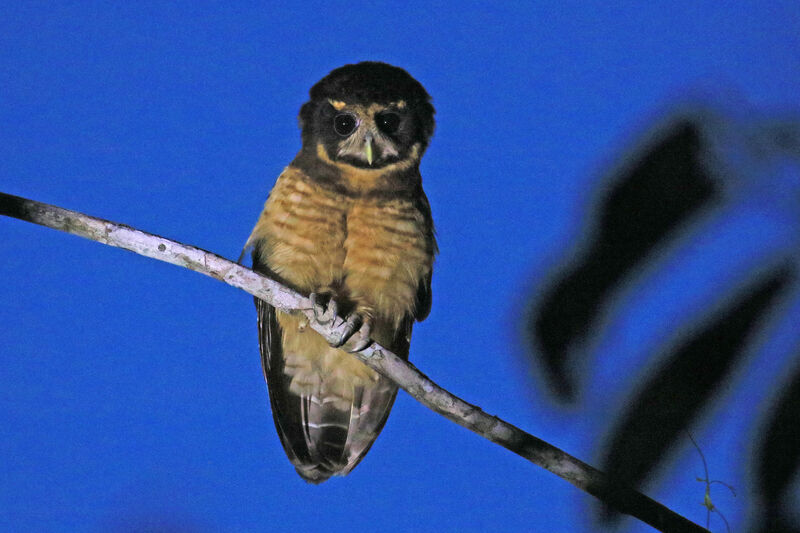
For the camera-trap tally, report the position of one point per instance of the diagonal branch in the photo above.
(612, 493)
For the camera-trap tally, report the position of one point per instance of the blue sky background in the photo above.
(131, 391)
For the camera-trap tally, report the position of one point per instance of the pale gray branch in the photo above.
(613, 493)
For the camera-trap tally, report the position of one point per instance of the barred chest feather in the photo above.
(370, 252)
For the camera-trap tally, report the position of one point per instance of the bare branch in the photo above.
(612, 493)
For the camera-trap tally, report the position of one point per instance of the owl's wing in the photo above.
(424, 294)
(285, 409)
(424, 299)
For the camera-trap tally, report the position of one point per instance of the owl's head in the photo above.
(368, 115)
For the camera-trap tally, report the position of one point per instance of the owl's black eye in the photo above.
(388, 122)
(344, 124)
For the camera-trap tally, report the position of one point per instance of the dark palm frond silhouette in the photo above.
(702, 190)
(627, 230)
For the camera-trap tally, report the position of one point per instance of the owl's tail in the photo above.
(335, 437)
(328, 410)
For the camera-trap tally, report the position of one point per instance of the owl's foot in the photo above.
(323, 312)
(358, 333)
(354, 332)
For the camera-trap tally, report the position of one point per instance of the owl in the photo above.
(348, 223)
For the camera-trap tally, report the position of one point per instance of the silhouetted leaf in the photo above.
(779, 458)
(655, 196)
(777, 524)
(671, 399)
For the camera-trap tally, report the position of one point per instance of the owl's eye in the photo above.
(344, 124)
(388, 122)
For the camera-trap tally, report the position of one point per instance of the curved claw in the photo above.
(356, 331)
(347, 328)
(361, 339)
(323, 313)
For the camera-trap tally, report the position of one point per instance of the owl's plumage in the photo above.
(346, 220)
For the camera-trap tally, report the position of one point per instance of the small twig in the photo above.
(621, 498)
(707, 503)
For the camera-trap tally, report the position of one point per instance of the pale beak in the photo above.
(368, 148)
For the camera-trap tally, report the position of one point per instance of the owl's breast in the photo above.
(301, 233)
(389, 250)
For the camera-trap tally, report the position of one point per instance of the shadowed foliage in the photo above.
(778, 458)
(653, 198)
(674, 395)
(694, 163)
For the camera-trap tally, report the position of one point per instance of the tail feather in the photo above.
(328, 421)
(337, 439)
(325, 428)
(368, 414)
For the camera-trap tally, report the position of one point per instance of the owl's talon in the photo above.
(347, 328)
(355, 333)
(323, 313)
(360, 339)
